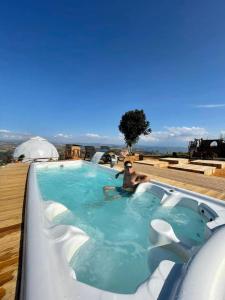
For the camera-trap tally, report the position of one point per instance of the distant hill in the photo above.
(160, 149)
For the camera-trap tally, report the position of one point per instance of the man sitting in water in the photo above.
(130, 180)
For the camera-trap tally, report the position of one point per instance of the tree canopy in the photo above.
(133, 124)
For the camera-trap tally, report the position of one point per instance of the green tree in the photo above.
(133, 124)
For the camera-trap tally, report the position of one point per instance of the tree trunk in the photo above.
(129, 148)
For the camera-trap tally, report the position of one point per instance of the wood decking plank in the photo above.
(12, 191)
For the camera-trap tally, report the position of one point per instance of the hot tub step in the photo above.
(211, 163)
(206, 170)
(174, 160)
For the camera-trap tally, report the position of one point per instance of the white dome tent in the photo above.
(36, 148)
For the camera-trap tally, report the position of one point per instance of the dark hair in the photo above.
(127, 162)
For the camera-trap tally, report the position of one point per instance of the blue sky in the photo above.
(70, 69)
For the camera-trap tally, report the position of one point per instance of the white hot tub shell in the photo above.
(47, 250)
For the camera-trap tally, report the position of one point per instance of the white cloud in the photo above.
(222, 134)
(92, 135)
(96, 135)
(63, 135)
(174, 135)
(169, 136)
(186, 132)
(7, 135)
(210, 105)
(120, 137)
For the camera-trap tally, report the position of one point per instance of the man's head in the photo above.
(128, 165)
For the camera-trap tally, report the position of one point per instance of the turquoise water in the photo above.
(117, 256)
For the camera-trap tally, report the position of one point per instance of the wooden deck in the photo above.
(12, 190)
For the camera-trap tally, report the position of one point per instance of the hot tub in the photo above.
(80, 245)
